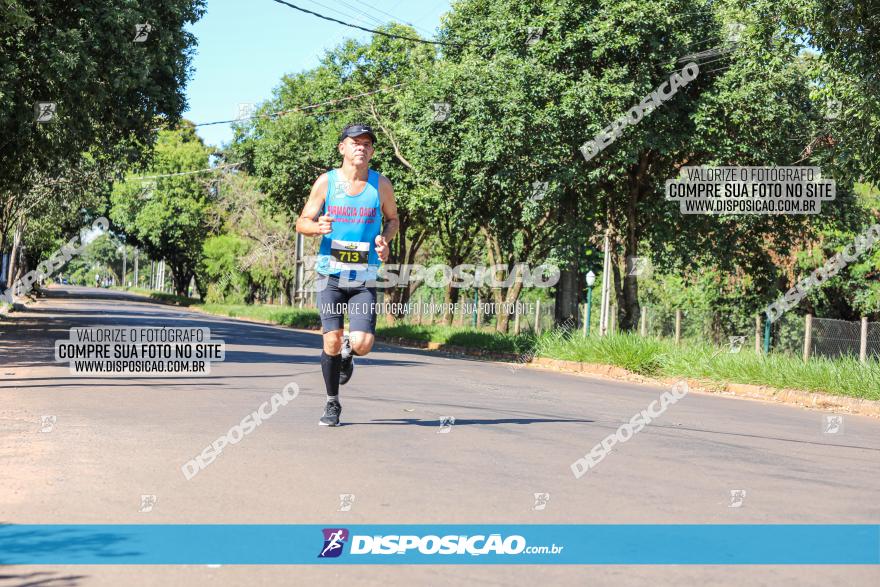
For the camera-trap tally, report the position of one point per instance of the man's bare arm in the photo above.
(310, 222)
(389, 209)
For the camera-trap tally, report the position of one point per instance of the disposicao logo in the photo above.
(334, 540)
(472, 545)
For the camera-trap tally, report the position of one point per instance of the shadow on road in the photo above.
(464, 422)
(63, 543)
(175, 380)
(40, 579)
(28, 340)
(829, 443)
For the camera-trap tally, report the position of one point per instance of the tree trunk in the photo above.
(510, 299)
(568, 288)
(505, 298)
(14, 266)
(618, 288)
(451, 294)
(629, 307)
(3, 282)
(411, 253)
(287, 289)
(397, 256)
(200, 287)
(6, 220)
(450, 298)
(181, 278)
(493, 251)
(566, 307)
(403, 253)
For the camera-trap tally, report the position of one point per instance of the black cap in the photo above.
(356, 130)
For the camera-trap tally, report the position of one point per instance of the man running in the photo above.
(346, 209)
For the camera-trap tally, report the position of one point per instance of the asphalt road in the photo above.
(515, 434)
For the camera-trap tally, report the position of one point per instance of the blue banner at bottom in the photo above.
(270, 544)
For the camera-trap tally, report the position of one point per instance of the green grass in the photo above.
(460, 336)
(630, 351)
(842, 376)
(663, 358)
(283, 315)
(647, 356)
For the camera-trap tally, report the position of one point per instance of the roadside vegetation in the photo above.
(649, 356)
(797, 84)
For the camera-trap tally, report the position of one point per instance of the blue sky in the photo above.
(246, 46)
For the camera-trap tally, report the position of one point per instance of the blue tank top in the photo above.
(357, 220)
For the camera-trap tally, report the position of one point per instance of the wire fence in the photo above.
(837, 338)
(524, 316)
(826, 337)
(830, 338)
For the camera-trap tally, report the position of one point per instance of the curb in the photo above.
(450, 349)
(17, 306)
(805, 399)
(797, 397)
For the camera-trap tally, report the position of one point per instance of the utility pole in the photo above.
(863, 341)
(606, 286)
(135, 267)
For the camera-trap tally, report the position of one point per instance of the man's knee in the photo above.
(362, 345)
(363, 349)
(332, 347)
(333, 342)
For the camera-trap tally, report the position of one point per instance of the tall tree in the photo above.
(598, 60)
(105, 88)
(847, 35)
(169, 218)
(360, 81)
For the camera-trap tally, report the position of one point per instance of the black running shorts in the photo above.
(353, 297)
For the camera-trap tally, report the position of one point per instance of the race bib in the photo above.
(350, 255)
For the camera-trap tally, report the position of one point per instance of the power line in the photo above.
(719, 69)
(374, 31)
(230, 165)
(378, 21)
(301, 108)
(363, 14)
(206, 170)
(392, 17)
(353, 97)
(352, 14)
(389, 17)
(712, 52)
(709, 39)
(712, 61)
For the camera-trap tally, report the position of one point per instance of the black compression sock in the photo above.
(330, 365)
